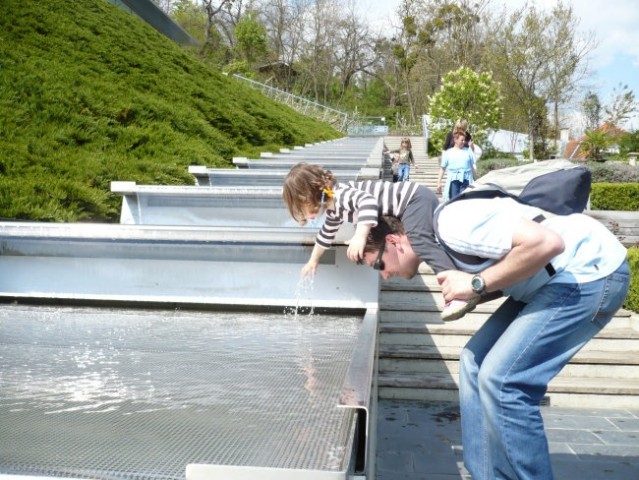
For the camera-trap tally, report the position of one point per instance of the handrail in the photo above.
(303, 105)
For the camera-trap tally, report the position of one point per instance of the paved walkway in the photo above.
(422, 441)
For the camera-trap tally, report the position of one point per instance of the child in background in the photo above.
(405, 160)
(309, 191)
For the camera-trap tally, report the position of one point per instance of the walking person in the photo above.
(458, 163)
(405, 160)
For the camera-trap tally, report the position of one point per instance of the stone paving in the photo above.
(422, 441)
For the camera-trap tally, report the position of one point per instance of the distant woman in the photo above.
(460, 125)
(460, 164)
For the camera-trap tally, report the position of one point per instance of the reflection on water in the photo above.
(236, 381)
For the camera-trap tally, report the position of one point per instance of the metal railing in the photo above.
(338, 119)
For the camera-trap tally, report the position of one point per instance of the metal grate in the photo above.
(138, 394)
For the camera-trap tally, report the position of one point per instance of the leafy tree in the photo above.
(624, 104)
(251, 39)
(406, 51)
(591, 107)
(567, 65)
(455, 26)
(525, 49)
(629, 143)
(465, 93)
(597, 141)
(211, 33)
(191, 17)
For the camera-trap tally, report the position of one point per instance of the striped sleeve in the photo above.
(391, 198)
(364, 202)
(329, 229)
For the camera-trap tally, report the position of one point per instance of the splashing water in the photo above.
(304, 290)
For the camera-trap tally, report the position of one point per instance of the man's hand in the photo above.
(456, 285)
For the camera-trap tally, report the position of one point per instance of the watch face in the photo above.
(477, 283)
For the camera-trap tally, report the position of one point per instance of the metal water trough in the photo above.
(192, 205)
(61, 281)
(364, 153)
(352, 143)
(253, 177)
(286, 163)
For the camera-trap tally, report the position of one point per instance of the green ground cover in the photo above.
(89, 94)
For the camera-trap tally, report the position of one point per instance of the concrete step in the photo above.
(473, 320)
(432, 352)
(419, 283)
(424, 301)
(565, 392)
(603, 385)
(419, 365)
(458, 341)
(617, 330)
(622, 325)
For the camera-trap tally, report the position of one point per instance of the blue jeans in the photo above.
(457, 187)
(403, 172)
(507, 365)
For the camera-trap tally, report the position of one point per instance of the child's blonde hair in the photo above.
(461, 124)
(407, 141)
(305, 185)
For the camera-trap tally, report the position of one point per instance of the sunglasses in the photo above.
(379, 263)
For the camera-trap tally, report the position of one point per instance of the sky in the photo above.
(614, 23)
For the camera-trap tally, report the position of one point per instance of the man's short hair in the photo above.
(386, 225)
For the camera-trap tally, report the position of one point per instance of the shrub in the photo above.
(486, 165)
(615, 196)
(613, 172)
(632, 301)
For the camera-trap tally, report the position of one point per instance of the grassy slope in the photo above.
(90, 94)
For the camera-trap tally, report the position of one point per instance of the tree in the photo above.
(406, 51)
(591, 107)
(568, 65)
(251, 39)
(525, 52)
(211, 34)
(466, 94)
(455, 27)
(191, 17)
(623, 105)
(596, 142)
(356, 49)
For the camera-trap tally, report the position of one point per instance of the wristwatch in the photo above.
(478, 285)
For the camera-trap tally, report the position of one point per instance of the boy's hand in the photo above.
(357, 242)
(309, 269)
(355, 250)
